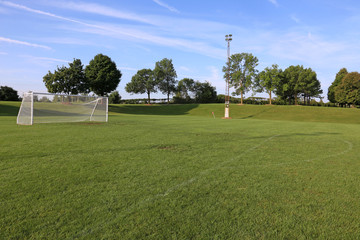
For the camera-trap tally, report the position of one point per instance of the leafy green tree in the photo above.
(289, 87)
(184, 89)
(205, 93)
(268, 79)
(114, 97)
(142, 82)
(102, 75)
(348, 91)
(69, 80)
(165, 76)
(8, 94)
(309, 85)
(331, 90)
(242, 72)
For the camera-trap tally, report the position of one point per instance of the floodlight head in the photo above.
(228, 37)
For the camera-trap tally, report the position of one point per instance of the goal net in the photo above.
(51, 108)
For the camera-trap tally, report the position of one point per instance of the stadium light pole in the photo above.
(228, 39)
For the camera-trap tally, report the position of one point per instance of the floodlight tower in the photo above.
(228, 39)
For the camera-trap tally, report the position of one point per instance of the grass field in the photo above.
(175, 172)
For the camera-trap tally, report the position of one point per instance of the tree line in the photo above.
(102, 77)
(288, 85)
(163, 78)
(345, 89)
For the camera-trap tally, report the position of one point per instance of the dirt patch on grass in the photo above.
(166, 147)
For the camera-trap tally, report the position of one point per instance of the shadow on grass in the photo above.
(256, 114)
(8, 110)
(171, 109)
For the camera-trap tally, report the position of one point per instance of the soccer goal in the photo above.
(51, 108)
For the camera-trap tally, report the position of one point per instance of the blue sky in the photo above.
(38, 35)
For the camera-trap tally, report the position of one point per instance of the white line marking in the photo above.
(168, 191)
(188, 182)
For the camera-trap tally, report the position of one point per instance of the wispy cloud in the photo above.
(47, 59)
(3, 53)
(295, 18)
(130, 69)
(12, 41)
(185, 69)
(25, 8)
(274, 2)
(162, 4)
(129, 33)
(100, 10)
(68, 41)
(306, 48)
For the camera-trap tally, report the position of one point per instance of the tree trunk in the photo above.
(270, 96)
(168, 97)
(149, 98)
(241, 93)
(295, 95)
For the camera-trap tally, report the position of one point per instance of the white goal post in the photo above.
(51, 108)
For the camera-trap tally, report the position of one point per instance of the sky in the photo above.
(37, 36)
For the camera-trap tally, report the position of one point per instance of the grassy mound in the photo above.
(285, 113)
(274, 112)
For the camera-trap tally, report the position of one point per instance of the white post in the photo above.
(32, 109)
(107, 108)
(92, 113)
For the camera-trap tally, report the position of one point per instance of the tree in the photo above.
(8, 94)
(309, 85)
(67, 80)
(241, 67)
(348, 91)
(114, 97)
(331, 90)
(296, 81)
(183, 90)
(142, 82)
(204, 92)
(268, 79)
(289, 87)
(102, 75)
(165, 75)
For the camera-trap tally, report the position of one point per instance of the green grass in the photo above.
(174, 172)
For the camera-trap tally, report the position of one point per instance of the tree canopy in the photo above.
(348, 91)
(268, 79)
(102, 75)
(338, 78)
(309, 85)
(8, 94)
(184, 90)
(204, 92)
(298, 81)
(241, 68)
(142, 82)
(69, 80)
(165, 76)
(114, 97)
